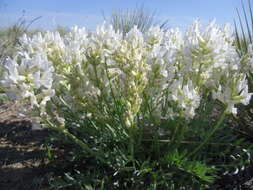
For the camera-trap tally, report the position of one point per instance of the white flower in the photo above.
(233, 92)
(168, 70)
(242, 89)
(154, 35)
(186, 96)
(29, 79)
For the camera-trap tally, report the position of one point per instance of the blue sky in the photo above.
(88, 13)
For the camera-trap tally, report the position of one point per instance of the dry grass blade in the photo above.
(238, 42)
(139, 17)
(242, 30)
(251, 15)
(247, 23)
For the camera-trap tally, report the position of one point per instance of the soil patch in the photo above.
(22, 166)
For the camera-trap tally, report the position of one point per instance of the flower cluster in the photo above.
(29, 78)
(164, 73)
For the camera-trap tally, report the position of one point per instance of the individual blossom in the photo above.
(232, 92)
(186, 97)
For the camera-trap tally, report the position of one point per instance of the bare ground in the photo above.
(21, 152)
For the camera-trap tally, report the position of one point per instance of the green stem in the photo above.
(131, 145)
(221, 119)
(176, 133)
(75, 140)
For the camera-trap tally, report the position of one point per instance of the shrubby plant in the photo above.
(143, 105)
(124, 21)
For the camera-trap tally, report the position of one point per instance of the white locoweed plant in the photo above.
(132, 83)
(167, 71)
